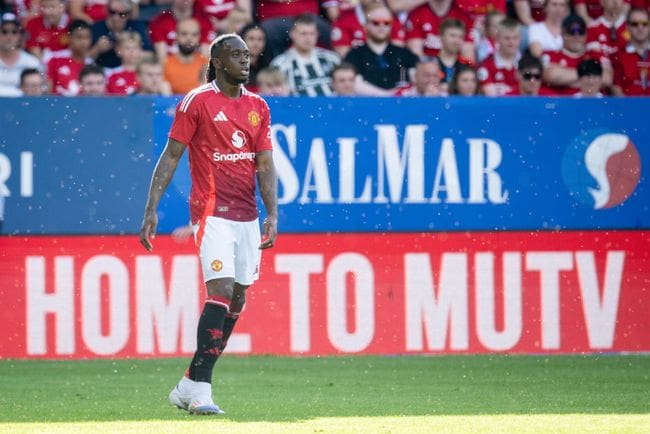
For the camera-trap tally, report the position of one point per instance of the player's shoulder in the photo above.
(194, 97)
(254, 98)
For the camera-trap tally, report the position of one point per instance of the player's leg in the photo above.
(236, 308)
(216, 246)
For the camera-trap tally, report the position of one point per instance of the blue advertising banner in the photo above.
(347, 165)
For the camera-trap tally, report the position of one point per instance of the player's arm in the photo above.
(267, 179)
(160, 179)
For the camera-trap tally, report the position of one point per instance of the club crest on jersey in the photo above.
(216, 265)
(254, 118)
(238, 139)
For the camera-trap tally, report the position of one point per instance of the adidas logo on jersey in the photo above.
(220, 117)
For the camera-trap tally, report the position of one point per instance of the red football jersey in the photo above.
(495, 71)
(52, 38)
(423, 23)
(278, 8)
(214, 8)
(607, 37)
(63, 72)
(479, 8)
(631, 72)
(569, 60)
(222, 136)
(348, 30)
(162, 28)
(122, 82)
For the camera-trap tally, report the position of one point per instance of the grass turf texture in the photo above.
(335, 394)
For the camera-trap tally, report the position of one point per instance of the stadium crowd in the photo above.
(587, 48)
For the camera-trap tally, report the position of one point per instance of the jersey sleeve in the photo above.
(263, 140)
(185, 121)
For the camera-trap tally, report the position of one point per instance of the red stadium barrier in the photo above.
(436, 293)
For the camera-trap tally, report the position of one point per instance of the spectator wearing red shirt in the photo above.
(487, 43)
(123, 79)
(48, 32)
(423, 24)
(64, 66)
(277, 17)
(561, 71)
(88, 10)
(632, 64)
(529, 11)
(452, 34)
(497, 73)
(217, 12)
(93, 80)
(609, 32)
(162, 29)
(591, 10)
(348, 30)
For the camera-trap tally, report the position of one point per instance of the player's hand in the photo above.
(269, 232)
(148, 230)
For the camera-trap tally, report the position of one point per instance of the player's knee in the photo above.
(224, 288)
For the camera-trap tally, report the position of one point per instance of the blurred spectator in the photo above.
(277, 17)
(381, 66)
(13, 59)
(402, 7)
(348, 31)
(547, 35)
(93, 80)
(609, 32)
(591, 10)
(32, 82)
(343, 78)
(497, 73)
(236, 20)
(150, 78)
(162, 29)
(590, 79)
(423, 24)
(452, 33)
(123, 79)
(219, 11)
(529, 11)
(255, 38)
(426, 81)
(64, 66)
(105, 32)
(48, 32)
(306, 66)
(185, 69)
(477, 11)
(272, 82)
(94, 10)
(464, 82)
(24, 9)
(561, 67)
(529, 76)
(631, 64)
(487, 43)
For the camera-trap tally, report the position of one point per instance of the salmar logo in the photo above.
(601, 168)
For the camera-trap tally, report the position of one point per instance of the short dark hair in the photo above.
(306, 19)
(28, 71)
(91, 69)
(589, 67)
(451, 23)
(528, 61)
(78, 24)
(343, 66)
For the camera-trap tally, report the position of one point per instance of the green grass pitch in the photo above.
(365, 394)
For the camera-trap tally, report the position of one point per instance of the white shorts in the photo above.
(230, 249)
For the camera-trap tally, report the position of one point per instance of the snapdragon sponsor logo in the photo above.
(250, 156)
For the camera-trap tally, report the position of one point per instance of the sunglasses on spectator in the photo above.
(638, 23)
(381, 22)
(121, 14)
(531, 76)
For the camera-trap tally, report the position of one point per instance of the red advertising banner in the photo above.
(417, 293)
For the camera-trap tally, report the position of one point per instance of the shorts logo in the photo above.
(601, 168)
(238, 139)
(216, 265)
(254, 118)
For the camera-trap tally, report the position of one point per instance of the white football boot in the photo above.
(194, 396)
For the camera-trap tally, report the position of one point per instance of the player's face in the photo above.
(235, 61)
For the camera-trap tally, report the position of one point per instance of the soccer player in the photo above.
(227, 131)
